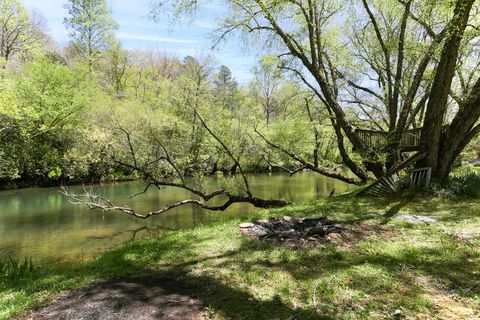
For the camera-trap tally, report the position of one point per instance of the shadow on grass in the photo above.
(455, 265)
(388, 274)
(134, 263)
(123, 297)
(358, 209)
(241, 278)
(397, 207)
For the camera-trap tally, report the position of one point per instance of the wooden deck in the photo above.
(391, 182)
(411, 139)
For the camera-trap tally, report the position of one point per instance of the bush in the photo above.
(464, 183)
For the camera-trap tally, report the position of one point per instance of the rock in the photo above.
(415, 218)
(246, 225)
(398, 313)
(287, 218)
(463, 235)
(375, 215)
(334, 237)
(263, 221)
(406, 217)
(258, 231)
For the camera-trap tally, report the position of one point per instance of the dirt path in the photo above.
(124, 298)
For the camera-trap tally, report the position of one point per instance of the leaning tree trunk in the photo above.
(460, 132)
(438, 98)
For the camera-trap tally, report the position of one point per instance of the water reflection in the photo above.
(43, 224)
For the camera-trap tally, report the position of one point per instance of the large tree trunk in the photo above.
(438, 98)
(460, 132)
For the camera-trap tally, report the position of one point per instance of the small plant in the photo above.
(12, 270)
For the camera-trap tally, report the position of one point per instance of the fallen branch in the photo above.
(94, 201)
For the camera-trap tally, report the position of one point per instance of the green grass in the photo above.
(426, 271)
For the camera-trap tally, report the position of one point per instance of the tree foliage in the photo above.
(90, 26)
(391, 67)
(395, 65)
(45, 104)
(20, 32)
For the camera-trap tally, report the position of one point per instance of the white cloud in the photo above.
(142, 37)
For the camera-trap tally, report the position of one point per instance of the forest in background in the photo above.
(66, 111)
(94, 111)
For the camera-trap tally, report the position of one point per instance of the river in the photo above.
(43, 224)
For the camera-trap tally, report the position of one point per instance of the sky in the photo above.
(137, 31)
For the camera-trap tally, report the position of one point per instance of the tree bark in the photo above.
(460, 132)
(438, 98)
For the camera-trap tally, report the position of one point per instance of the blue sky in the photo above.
(136, 31)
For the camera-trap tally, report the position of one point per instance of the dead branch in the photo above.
(227, 151)
(94, 201)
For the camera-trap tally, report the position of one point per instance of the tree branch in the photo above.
(96, 202)
(307, 165)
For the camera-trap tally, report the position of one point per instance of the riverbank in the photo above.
(396, 268)
(24, 184)
(121, 177)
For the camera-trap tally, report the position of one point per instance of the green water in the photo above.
(44, 225)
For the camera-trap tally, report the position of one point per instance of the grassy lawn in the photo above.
(417, 270)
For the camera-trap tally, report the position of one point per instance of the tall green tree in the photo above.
(42, 108)
(19, 31)
(115, 68)
(91, 27)
(225, 81)
(225, 87)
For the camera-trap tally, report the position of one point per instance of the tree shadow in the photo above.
(454, 266)
(189, 281)
(228, 281)
(396, 208)
(187, 297)
(171, 293)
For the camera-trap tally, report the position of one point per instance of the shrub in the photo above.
(464, 183)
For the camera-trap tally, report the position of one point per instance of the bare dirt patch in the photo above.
(124, 298)
(309, 232)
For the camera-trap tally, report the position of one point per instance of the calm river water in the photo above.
(44, 225)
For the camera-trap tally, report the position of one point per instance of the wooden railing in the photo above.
(372, 139)
(411, 139)
(420, 177)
